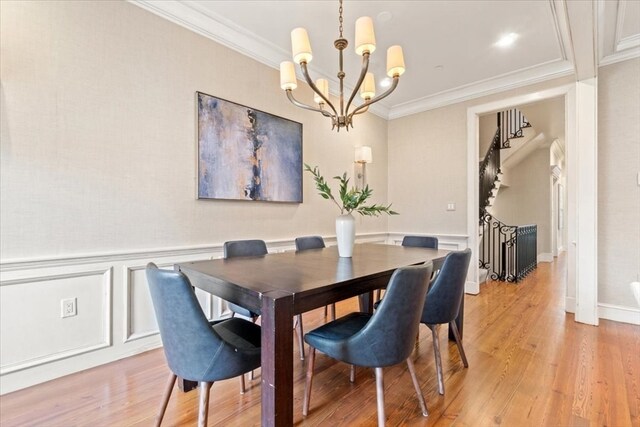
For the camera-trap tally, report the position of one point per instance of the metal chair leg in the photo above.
(416, 385)
(242, 386)
(203, 411)
(456, 335)
(309, 381)
(298, 328)
(380, 396)
(254, 319)
(165, 398)
(436, 352)
(352, 374)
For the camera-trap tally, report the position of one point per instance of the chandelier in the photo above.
(365, 45)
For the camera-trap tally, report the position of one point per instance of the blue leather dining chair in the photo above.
(377, 340)
(420, 242)
(247, 248)
(416, 242)
(196, 349)
(442, 304)
(244, 248)
(314, 242)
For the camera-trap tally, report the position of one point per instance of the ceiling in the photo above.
(449, 46)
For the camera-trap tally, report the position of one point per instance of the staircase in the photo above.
(506, 252)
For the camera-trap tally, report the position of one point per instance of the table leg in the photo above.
(366, 302)
(277, 359)
(459, 321)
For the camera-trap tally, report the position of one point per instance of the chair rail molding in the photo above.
(122, 323)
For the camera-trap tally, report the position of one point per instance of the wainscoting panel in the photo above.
(31, 324)
(115, 316)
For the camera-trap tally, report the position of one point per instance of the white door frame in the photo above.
(581, 169)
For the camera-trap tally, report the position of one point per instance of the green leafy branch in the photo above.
(352, 199)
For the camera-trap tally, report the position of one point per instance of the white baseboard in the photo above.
(472, 288)
(619, 313)
(570, 304)
(545, 257)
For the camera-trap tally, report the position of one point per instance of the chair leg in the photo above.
(456, 335)
(298, 328)
(309, 381)
(165, 398)
(333, 311)
(436, 352)
(352, 374)
(254, 319)
(416, 385)
(380, 396)
(326, 310)
(242, 386)
(203, 412)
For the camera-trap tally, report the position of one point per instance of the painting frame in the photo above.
(246, 154)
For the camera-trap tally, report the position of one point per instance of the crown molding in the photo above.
(525, 77)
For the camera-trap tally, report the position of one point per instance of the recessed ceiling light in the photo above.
(507, 40)
(386, 82)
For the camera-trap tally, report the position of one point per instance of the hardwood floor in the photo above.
(530, 365)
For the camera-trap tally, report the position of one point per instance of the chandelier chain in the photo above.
(340, 17)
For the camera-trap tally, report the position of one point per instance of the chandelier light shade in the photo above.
(365, 45)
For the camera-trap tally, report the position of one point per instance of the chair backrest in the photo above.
(445, 295)
(188, 340)
(309, 242)
(420, 242)
(389, 336)
(240, 248)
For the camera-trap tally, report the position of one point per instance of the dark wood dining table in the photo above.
(281, 285)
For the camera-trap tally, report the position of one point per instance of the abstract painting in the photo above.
(247, 154)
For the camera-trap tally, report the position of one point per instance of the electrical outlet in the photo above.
(68, 307)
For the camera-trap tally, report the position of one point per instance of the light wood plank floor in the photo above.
(530, 365)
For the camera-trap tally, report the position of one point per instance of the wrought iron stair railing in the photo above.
(511, 124)
(489, 170)
(508, 252)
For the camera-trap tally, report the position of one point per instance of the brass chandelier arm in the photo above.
(363, 73)
(366, 104)
(396, 79)
(305, 73)
(305, 106)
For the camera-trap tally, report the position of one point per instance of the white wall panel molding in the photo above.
(13, 336)
(455, 242)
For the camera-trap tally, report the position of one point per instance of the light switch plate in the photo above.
(451, 206)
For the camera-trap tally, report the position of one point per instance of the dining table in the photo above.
(280, 285)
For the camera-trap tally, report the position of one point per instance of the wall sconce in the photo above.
(362, 157)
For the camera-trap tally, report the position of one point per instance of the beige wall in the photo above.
(487, 130)
(527, 200)
(98, 135)
(618, 189)
(428, 165)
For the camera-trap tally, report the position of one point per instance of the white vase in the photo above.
(346, 234)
